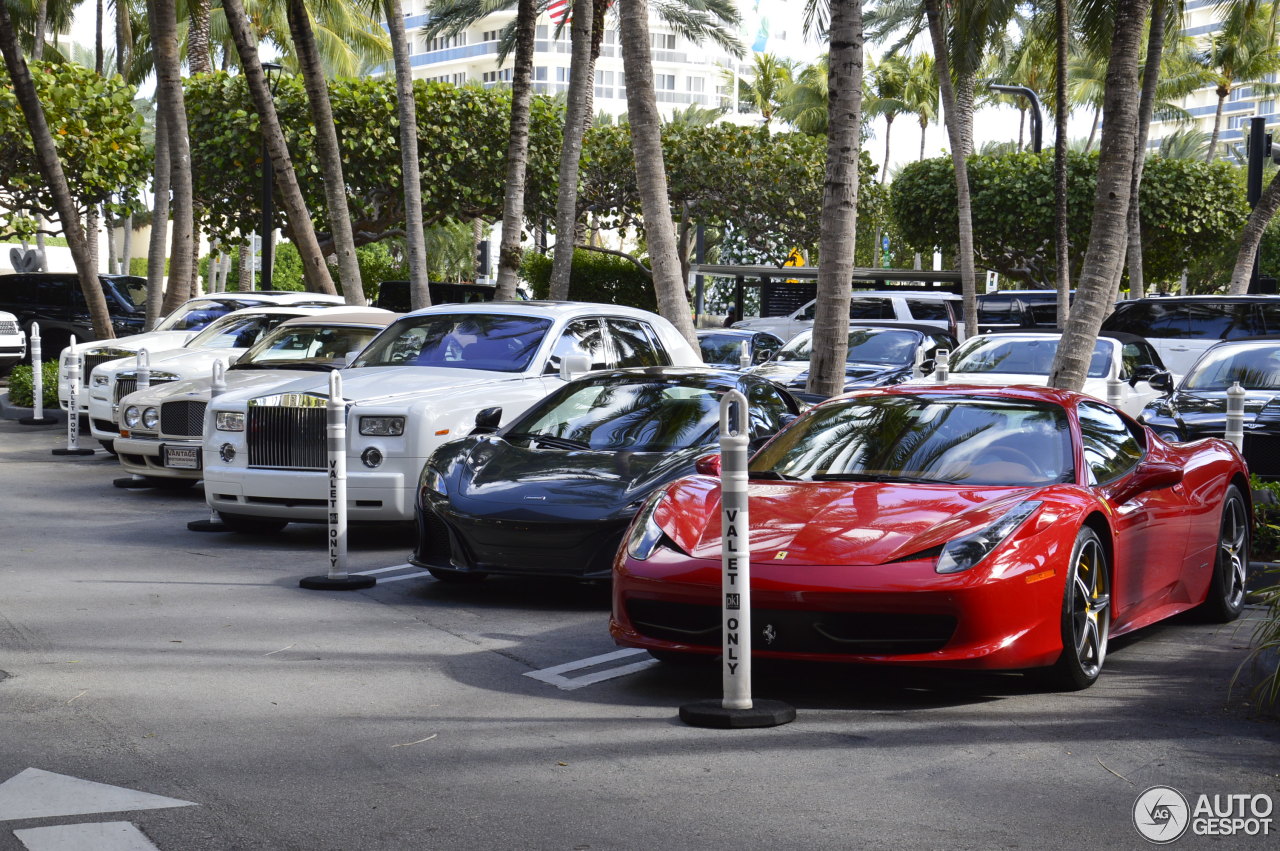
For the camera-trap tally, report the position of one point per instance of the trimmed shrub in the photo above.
(20, 385)
(596, 277)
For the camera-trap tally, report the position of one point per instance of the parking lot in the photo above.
(138, 654)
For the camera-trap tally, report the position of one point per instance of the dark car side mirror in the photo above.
(1160, 381)
(487, 421)
(1150, 476)
(708, 465)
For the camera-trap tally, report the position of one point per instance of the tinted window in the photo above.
(1256, 368)
(1150, 319)
(930, 310)
(633, 343)
(1043, 314)
(871, 308)
(1270, 317)
(766, 408)
(497, 342)
(585, 338)
(1222, 321)
(996, 310)
(652, 417)
(20, 290)
(1111, 448)
(717, 348)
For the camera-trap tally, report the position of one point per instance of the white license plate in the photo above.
(182, 457)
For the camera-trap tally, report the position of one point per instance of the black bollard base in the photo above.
(133, 482)
(80, 451)
(338, 583)
(37, 421)
(207, 526)
(763, 713)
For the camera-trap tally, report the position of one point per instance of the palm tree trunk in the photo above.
(1107, 240)
(1022, 127)
(410, 169)
(314, 268)
(164, 39)
(1093, 129)
(1217, 127)
(837, 235)
(51, 172)
(97, 39)
(124, 37)
(1146, 106)
(1251, 236)
(888, 128)
(244, 280)
(509, 252)
(651, 172)
(953, 119)
(344, 244)
(964, 99)
(200, 61)
(41, 28)
(158, 247)
(577, 116)
(924, 127)
(1062, 111)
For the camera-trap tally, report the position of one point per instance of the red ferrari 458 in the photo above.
(954, 526)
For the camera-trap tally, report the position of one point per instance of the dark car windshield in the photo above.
(1023, 357)
(132, 288)
(952, 440)
(198, 313)
(1255, 367)
(496, 342)
(866, 345)
(306, 347)
(653, 416)
(720, 348)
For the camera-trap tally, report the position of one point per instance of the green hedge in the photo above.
(596, 277)
(20, 385)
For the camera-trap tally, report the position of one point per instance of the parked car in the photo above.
(878, 355)
(394, 295)
(965, 527)
(172, 332)
(1182, 327)
(13, 341)
(943, 310)
(56, 302)
(1009, 310)
(419, 384)
(550, 493)
(161, 427)
(1197, 408)
(1004, 359)
(723, 346)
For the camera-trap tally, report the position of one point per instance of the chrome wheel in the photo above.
(1230, 568)
(1086, 616)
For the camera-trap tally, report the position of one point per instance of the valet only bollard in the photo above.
(337, 579)
(942, 364)
(744, 355)
(1235, 414)
(37, 382)
(736, 709)
(217, 387)
(73, 406)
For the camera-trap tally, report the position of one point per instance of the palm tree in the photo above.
(1062, 109)
(169, 100)
(1242, 52)
(314, 268)
(838, 230)
(327, 151)
(887, 97)
(577, 116)
(921, 93)
(765, 92)
(509, 252)
(410, 169)
(651, 175)
(350, 40)
(805, 103)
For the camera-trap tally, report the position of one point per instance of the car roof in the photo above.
(374, 318)
(544, 308)
(1024, 392)
(744, 333)
(1201, 299)
(1018, 334)
(909, 294)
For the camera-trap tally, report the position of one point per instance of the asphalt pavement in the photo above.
(163, 688)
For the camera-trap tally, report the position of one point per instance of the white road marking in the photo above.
(417, 575)
(385, 569)
(553, 675)
(102, 836)
(33, 793)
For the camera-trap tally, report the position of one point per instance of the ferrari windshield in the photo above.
(306, 347)
(653, 416)
(497, 342)
(943, 439)
(866, 345)
(1021, 356)
(1255, 367)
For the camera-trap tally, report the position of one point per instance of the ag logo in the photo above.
(1161, 814)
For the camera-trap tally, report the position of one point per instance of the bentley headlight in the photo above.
(132, 416)
(229, 421)
(963, 553)
(151, 418)
(382, 426)
(646, 534)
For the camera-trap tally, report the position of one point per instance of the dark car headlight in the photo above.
(960, 554)
(433, 481)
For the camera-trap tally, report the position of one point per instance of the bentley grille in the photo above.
(182, 419)
(292, 438)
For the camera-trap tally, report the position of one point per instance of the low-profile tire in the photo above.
(250, 525)
(1231, 564)
(456, 577)
(1086, 616)
(109, 445)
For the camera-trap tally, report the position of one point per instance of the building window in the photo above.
(491, 35)
(662, 41)
(540, 73)
(695, 84)
(541, 31)
(503, 76)
(664, 82)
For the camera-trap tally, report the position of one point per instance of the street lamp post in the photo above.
(273, 72)
(1037, 125)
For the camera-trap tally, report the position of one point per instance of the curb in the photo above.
(13, 412)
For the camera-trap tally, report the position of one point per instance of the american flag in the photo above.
(559, 10)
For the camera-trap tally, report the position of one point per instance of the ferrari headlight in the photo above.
(382, 426)
(963, 553)
(229, 421)
(151, 417)
(645, 532)
(132, 416)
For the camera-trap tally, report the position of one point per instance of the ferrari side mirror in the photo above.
(708, 465)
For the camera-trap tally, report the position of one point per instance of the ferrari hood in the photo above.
(833, 522)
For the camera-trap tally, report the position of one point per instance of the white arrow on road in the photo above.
(34, 793)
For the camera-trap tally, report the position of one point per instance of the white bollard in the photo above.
(744, 355)
(336, 492)
(1115, 389)
(917, 366)
(1235, 415)
(73, 406)
(736, 708)
(143, 362)
(217, 386)
(942, 366)
(37, 381)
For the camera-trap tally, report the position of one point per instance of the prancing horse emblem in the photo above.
(769, 634)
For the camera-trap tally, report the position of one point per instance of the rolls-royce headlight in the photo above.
(151, 417)
(382, 426)
(100, 380)
(230, 421)
(132, 416)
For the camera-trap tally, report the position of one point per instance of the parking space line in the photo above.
(404, 566)
(554, 675)
(417, 575)
(102, 836)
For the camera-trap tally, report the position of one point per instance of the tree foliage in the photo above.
(1188, 209)
(98, 137)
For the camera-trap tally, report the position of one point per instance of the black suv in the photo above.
(1018, 310)
(1184, 327)
(55, 301)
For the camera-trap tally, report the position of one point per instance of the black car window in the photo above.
(934, 311)
(1150, 319)
(131, 289)
(1269, 316)
(871, 308)
(1111, 447)
(583, 337)
(766, 407)
(1255, 367)
(652, 416)
(19, 289)
(1000, 309)
(1222, 321)
(633, 343)
(1044, 313)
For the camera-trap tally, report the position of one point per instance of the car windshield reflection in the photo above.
(1256, 368)
(866, 345)
(306, 347)
(496, 342)
(1023, 357)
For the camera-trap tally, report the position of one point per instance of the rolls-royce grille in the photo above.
(286, 437)
(182, 419)
(90, 361)
(125, 386)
